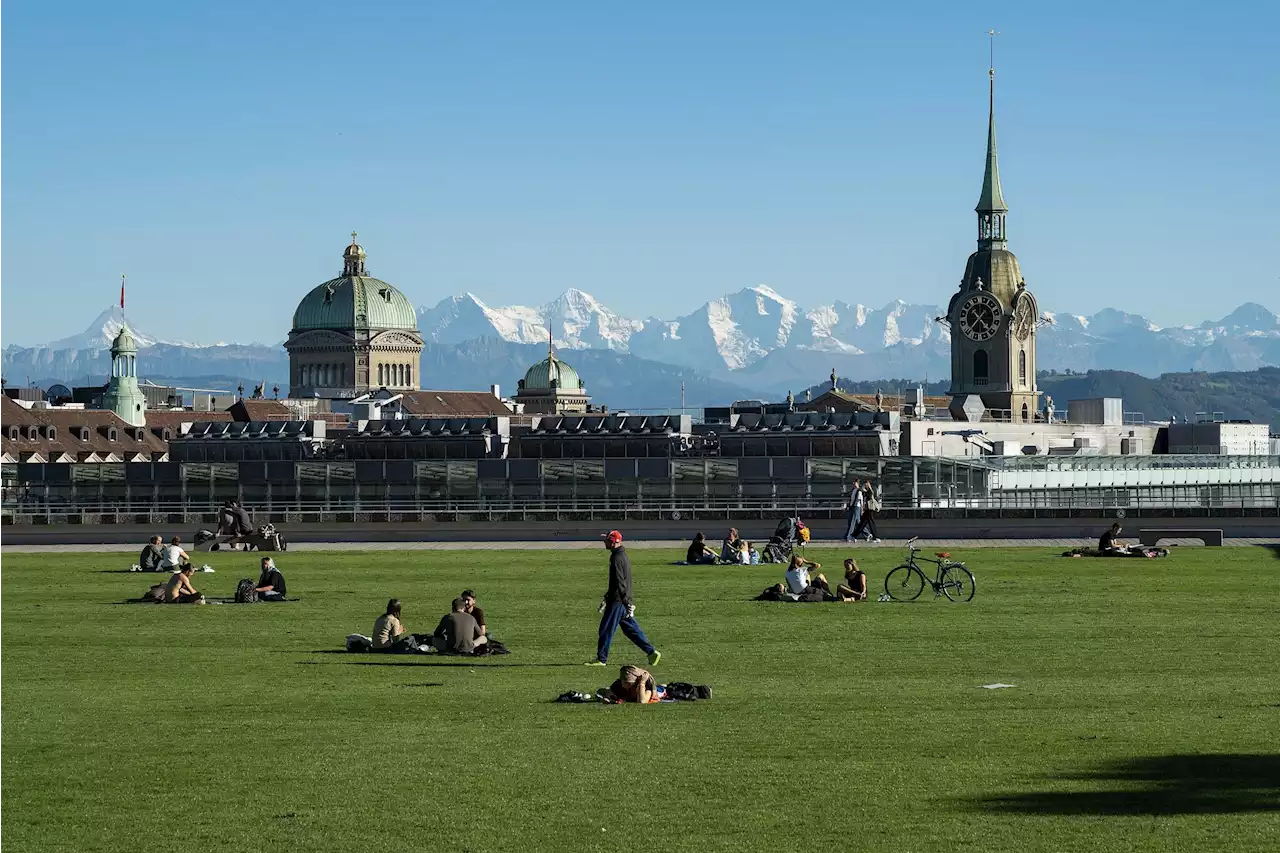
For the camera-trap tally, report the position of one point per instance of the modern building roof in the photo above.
(355, 301)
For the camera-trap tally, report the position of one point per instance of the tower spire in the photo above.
(991, 208)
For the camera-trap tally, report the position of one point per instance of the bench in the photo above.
(1151, 537)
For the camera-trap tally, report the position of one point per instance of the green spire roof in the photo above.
(992, 199)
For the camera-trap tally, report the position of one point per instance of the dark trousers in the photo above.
(615, 617)
(868, 523)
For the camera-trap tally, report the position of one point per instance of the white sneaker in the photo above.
(877, 539)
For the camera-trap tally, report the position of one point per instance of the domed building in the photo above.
(552, 387)
(353, 334)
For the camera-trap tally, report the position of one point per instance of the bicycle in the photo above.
(953, 580)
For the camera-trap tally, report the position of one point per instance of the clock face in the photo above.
(980, 317)
(1024, 319)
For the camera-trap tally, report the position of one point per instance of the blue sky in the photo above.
(655, 154)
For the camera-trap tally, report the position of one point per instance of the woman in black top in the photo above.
(699, 552)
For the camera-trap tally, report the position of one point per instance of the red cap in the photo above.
(613, 537)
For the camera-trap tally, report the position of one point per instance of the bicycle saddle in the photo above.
(942, 554)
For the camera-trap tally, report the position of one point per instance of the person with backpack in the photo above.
(271, 585)
(389, 635)
(617, 609)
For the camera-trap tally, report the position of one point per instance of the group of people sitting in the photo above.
(158, 557)
(734, 550)
(461, 631)
(179, 589)
(799, 584)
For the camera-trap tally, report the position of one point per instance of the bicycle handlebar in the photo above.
(912, 540)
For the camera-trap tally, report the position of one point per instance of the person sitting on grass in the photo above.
(173, 558)
(1109, 545)
(458, 632)
(469, 604)
(730, 547)
(179, 589)
(699, 551)
(854, 587)
(797, 575)
(271, 586)
(389, 635)
(636, 685)
(151, 556)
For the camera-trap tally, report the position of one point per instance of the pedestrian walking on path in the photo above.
(617, 609)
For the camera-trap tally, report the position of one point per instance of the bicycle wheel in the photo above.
(904, 583)
(958, 583)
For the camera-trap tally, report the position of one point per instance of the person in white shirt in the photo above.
(797, 575)
(173, 558)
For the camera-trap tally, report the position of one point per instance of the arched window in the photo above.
(399, 374)
(1025, 412)
(980, 367)
(344, 374)
(408, 375)
(1022, 368)
(381, 379)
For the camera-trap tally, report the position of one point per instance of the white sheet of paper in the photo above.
(997, 686)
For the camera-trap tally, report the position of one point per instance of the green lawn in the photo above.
(1146, 714)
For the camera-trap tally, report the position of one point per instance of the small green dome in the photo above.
(124, 341)
(355, 301)
(540, 376)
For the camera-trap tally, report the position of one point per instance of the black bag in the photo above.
(247, 592)
(155, 593)
(491, 647)
(682, 691)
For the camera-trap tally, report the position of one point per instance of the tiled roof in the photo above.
(453, 404)
(259, 410)
(51, 434)
(173, 421)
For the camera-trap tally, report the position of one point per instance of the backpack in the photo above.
(680, 691)
(246, 592)
(873, 503)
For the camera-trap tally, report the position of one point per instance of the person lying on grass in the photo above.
(854, 587)
(458, 632)
(636, 685)
(271, 586)
(389, 635)
(179, 589)
(699, 551)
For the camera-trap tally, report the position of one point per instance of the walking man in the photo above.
(617, 608)
(856, 498)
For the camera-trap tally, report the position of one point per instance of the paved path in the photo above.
(891, 544)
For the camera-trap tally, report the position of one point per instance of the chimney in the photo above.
(495, 391)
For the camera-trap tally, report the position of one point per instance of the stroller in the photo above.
(784, 541)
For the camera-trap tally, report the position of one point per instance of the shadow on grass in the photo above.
(433, 660)
(1158, 785)
(1274, 549)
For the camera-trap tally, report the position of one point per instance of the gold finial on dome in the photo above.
(353, 259)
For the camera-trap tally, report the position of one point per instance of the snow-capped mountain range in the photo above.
(755, 340)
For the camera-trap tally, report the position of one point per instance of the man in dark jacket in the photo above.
(617, 608)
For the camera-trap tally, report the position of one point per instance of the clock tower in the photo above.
(993, 316)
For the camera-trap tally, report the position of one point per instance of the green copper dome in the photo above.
(355, 301)
(540, 376)
(124, 342)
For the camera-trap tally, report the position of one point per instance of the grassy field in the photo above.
(1146, 712)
